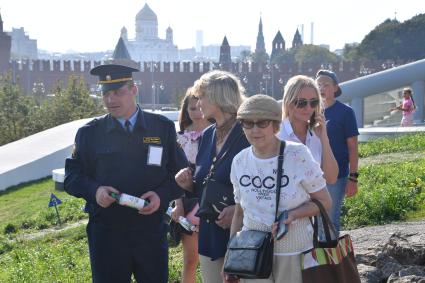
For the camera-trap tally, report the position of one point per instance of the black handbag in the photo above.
(250, 252)
(215, 195)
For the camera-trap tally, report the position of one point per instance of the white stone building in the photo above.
(147, 46)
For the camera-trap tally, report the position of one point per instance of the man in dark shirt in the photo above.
(126, 151)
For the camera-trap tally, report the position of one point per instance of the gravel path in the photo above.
(57, 229)
(391, 157)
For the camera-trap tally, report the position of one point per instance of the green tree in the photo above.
(21, 116)
(306, 54)
(285, 57)
(260, 57)
(245, 56)
(382, 42)
(351, 52)
(71, 103)
(15, 111)
(315, 55)
(392, 40)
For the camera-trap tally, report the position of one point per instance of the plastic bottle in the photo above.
(186, 224)
(130, 201)
(182, 221)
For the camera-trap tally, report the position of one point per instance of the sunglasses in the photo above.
(250, 124)
(302, 102)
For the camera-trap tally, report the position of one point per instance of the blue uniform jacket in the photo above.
(105, 154)
(212, 238)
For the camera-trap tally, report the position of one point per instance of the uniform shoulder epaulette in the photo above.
(96, 120)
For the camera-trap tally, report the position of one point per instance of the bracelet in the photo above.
(352, 179)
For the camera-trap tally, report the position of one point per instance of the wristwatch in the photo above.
(354, 175)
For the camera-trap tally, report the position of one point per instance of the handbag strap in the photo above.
(218, 159)
(328, 227)
(279, 176)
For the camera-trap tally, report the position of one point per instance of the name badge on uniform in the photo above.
(155, 155)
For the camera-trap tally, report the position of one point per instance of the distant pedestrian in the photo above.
(408, 107)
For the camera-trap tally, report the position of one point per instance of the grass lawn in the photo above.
(61, 257)
(25, 207)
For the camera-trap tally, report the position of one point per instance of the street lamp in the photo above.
(138, 83)
(152, 66)
(281, 81)
(38, 87)
(38, 91)
(261, 87)
(266, 76)
(365, 71)
(273, 70)
(156, 86)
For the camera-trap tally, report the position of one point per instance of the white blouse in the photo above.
(312, 140)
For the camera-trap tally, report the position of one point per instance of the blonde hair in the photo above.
(222, 89)
(293, 87)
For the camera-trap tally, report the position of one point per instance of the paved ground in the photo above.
(379, 132)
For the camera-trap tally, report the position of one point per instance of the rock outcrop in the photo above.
(393, 253)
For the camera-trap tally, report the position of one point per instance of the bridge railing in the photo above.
(411, 74)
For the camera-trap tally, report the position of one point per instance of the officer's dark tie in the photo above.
(127, 125)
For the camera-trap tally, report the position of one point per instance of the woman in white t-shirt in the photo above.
(303, 122)
(253, 176)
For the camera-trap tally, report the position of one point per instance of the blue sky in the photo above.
(94, 25)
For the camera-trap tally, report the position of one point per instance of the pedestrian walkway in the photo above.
(381, 132)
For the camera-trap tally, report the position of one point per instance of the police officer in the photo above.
(126, 151)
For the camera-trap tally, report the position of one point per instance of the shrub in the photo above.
(411, 142)
(387, 193)
(5, 245)
(10, 229)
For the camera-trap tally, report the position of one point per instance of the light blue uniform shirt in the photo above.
(132, 120)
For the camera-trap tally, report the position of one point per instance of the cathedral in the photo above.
(147, 46)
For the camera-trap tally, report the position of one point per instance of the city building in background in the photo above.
(5, 48)
(147, 46)
(161, 81)
(23, 47)
(199, 40)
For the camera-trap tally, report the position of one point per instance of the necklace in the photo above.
(222, 131)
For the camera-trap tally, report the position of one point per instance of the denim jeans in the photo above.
(337, 192)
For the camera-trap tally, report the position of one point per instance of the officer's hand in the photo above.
(184, 179)
(153, 205)
(103, 198)
(225, 217)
